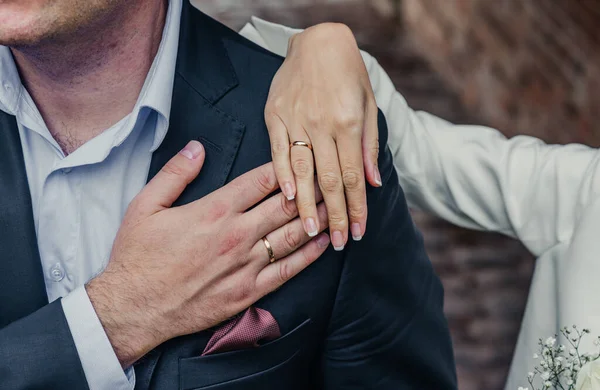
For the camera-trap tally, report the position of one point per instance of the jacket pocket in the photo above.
(239, 368)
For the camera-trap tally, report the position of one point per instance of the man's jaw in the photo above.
(90, 79)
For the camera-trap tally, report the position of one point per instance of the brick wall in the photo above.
(527, 66)
(496, 62)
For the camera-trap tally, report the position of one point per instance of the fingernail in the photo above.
(337, 239)
(356, 232)
(311, 227)
(288, 191)
(322, 240)
(378, 176)
(192, 150)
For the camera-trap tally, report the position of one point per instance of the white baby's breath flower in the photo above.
(523, 388)
(589, 377)
(550, 341)
(565, 367)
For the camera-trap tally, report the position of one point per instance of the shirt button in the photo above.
(57, 273)
(7, 86)
(66, 170)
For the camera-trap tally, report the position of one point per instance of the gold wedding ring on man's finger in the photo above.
(270, 252)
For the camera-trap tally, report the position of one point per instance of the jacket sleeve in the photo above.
(388, 329)
(473, 176)
(37, 352)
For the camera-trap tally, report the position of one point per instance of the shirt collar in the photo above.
(156, 93)
(10, 82)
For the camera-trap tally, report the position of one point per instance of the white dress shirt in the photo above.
(546, 196)
(79, 200)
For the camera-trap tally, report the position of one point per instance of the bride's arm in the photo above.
(473, 176)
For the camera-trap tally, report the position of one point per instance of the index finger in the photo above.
(250, 188)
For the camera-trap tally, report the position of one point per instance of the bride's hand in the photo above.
(322, 96)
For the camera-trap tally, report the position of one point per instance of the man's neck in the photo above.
(86, 83)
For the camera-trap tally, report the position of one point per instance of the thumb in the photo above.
(168, 184)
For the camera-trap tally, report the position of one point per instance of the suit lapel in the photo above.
(22, 288)
(204, 74)
(194, 118)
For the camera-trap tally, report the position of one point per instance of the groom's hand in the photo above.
(176, 271)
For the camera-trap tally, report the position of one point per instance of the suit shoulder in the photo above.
(242, 49)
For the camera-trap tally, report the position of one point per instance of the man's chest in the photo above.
(78, 202)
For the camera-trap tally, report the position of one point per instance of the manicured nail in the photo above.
(377, 176)
(192, 150)
(322, 240)
(337, 239)
(311, 227)
(288, 191)
(356, 232)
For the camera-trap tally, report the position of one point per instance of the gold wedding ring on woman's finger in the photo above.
(301, 143)
(272, 258)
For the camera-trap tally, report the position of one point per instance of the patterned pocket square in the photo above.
(249, 330)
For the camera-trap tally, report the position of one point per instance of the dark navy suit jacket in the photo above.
(367, 318)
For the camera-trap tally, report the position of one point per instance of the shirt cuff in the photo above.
(100, 363)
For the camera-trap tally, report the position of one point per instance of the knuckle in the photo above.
(307, 257)
(284, 272)
(337, 221)
(288, 208)
(292, 238)
(350, 120)
(357, 212)
(330, 183)
(218, 210)
(265, 182)
(237, 296)
(352, 179)
(375, 145)
(173, 169)
(302, 168)
(304, 205)
(244, 291)
(231, 241)
(314, 118)
(279, 148)
(276, 104)
(137, 203)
